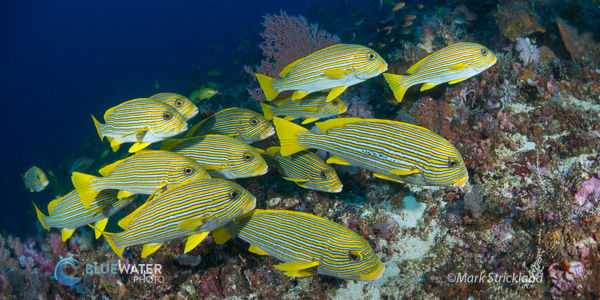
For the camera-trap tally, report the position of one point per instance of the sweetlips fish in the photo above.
(243, 124)
(146, 172)
(451, 64)
(68, 213)
(306, 169)
(191, 210)
(306, 244)
(35, 179)
(220, 155)
(393, 150)
(181, 103)
(333, 68)
(312, 107)
(141, 121)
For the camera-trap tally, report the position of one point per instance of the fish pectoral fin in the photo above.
(99, 227)
(398, 172)
(289, 118)
(192, 223)
(66, 234)
(193, 241)
(309, 120)
(457, 67)
(338, 161)
(336, 73)
(139, 135)
(296, 180)
(387, 177)
(299, 95)
(220, 235)
(335, 92)
(138, 146)
(427, 86)
(150, 248)
(257, 250)
(457, 80)
(297, 269)
(124, 194)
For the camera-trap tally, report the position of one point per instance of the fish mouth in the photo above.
(460, 182)
(376, 274)
(268, 133)
(383, 68)
(339, 189)
(263, 171)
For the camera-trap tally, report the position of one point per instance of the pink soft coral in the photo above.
(590, 190)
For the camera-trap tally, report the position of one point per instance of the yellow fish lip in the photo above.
(376, 274)
(339, 189)
(383, 68)
(460, 182)
(267, 134)
(263, 171)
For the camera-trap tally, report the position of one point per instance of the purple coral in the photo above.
(590, 190)
(566, 277)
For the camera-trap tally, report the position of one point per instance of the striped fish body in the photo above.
(392, 150)
(335, 67)
(140, 121)
(451, 64)
(243, 124)
(35, 179)
(220, 155)
(308, 244)
(306, 169)
(68, 213)
(312, 107)
(188, 210)
(181, 103)
(146, 172)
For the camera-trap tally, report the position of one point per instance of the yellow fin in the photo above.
(414, 67)
(288, 132)
(457, 67)
(98, 125)
(413, 170)
(257, 250)
(386, 177)
(335, 92)
(335, 73)
(109, 239)
(41, 217)
(124, 194)
(171, 143)
(287, 68)
(114, 144)
(261, 151)
(193, 241)
(299, 95)
(273, 150)
(108, 112)
(82, 183)
(338, 161)
(150, 248)
(267, 111)
(124, 223)
(309, 120)
(457, 80)
(138, 146)
(265, 83)
(297, 269)
(99, 226)
(220, 235)
(52, 204)
(427, 86)
(289, 118)
(397, 85)
(282, 101)
(336, 123)
(65, 234)
(105, 171)
(192, 223)
(139, 136)
(296, 180)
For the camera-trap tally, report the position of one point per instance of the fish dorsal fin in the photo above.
(66, 234)
(108, 112)
(335, 123)
(257, 250)
(150, 248)
(297, 269)
(414, 67)
(124, 194)
(386, 177)
(105, 171)
(171, 143)
(299, 95)
(398, 172)
(126, 221)
(335, 73)
(220, 235)
(193, 241)
(296, 180)
(338, 161)
(192, 223)
(287, 68)
(99, 226)
(52, 204)
(273, 150)
(309, 120)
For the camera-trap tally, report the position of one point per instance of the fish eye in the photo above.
(247, 156)
(484, 52)
(353, 257)
(188, 171)
(323, 175)
(179, 103)
(371, 56)
(452, 163)
(253, 121)
(233, 195)
(334, 102)
(167, 116)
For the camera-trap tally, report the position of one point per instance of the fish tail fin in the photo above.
(265, 84)
(267, 111)
(98, 127)
(288, 132)
(83, 185)
(397, 85)
(109, 239)
(40, 217)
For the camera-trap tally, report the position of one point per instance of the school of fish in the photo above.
(188, 182)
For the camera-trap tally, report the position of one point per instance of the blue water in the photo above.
(61, 61)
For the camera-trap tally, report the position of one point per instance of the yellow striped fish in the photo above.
(181, 103)
(68, 213)
(336, 67)
(392, 150)
(451, 64)
(220, 155)
(140, 121)
(243, 124)
(191, 210)
(312, 107)
(306, 169)
(307, 244)
(35, 179)
(146, 172)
